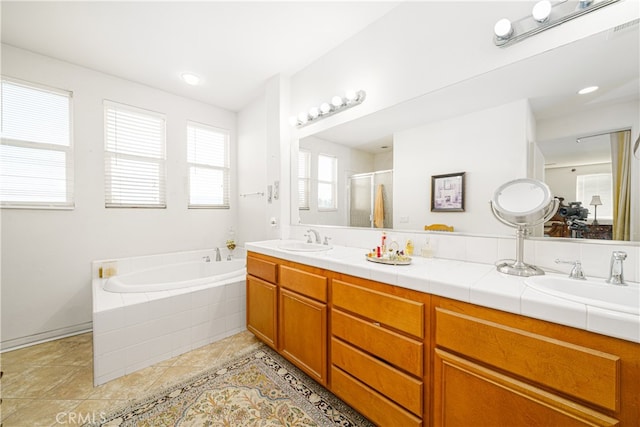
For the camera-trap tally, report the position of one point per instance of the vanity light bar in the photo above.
(544, 16)
(326, 109)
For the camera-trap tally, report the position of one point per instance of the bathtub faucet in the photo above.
(218, 257)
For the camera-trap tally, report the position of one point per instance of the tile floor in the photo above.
(51, 384)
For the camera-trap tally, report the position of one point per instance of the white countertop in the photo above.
(474, 283)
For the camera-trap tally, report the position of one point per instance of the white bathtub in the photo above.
(158, 307)
(176, 276)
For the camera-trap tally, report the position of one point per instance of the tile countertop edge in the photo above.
(488, 289)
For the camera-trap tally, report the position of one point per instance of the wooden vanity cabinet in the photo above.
(378, 362)
(496, 368)
(262, 298)
(302, 319)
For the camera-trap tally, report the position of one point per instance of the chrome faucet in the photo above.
(206, 258)
(218, 257)
(616, 276)
(576, 272)
(316, 234)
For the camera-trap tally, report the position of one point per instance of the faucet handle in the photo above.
(576, 272)
(308, 236)
(326, 240)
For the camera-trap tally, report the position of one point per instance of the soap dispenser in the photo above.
(427, 251)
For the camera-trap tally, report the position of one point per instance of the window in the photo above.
(36, 154)
(596, 184)
(208, 159)
(134, 157)
(304, 178)
(327, 185)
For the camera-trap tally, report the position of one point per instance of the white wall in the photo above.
(420, 47)
(490, 146)
(46, 254)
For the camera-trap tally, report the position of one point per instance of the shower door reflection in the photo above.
(371, 198)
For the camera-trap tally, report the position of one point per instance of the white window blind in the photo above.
(327, 182)
(599, 184)
(304, 178)
(134, 157)
(36, 154)
(208, 160)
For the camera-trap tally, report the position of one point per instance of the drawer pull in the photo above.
(376, 324)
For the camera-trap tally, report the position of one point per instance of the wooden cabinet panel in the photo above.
(303, 333)
(398, 313)
(469, 394)
(399, 387)
(261, 268)
(305, 283)
(370, 403)
(394, 348)
(587, 374)
(262, 310)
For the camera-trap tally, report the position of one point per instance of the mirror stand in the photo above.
(522, 203)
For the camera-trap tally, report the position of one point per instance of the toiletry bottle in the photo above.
(383, 245)
(408, 250)
(427, 251)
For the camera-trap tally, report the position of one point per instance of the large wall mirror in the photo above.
(522, 120)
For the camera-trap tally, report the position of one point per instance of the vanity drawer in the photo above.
(399, 313)
(305, 283)
(377, 408)
(578, 371)
(398, 386)
(261, 268)
(394, 348)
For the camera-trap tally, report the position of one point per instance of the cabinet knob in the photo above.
(376, 323)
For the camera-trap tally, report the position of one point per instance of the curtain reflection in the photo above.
(621, 169)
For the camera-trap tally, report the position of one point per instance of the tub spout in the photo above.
(218, 257)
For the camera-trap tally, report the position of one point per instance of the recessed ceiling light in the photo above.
(191, 79)
(588, 90)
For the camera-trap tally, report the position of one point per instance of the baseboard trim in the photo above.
(17, 343)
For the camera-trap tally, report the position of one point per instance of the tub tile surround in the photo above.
(132, 331)
(477, 282)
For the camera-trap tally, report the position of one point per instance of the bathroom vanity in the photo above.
(439, 342)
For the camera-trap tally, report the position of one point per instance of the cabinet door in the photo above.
(303, 333)
(466, 393)
(261, 310)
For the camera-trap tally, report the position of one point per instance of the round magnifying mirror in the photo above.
(522, 201)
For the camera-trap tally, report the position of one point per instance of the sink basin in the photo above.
(596, 293)
(304, 247)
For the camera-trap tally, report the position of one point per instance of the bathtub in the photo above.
(158, 307)
(176, 276)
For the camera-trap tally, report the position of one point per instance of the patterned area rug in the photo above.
(257, 389)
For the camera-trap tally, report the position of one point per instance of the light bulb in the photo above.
(541, 10)
(503, 29)
(293, 120)
(314, 112)
(325, 108)
(336, 101)
(351, 95)
(303, 118)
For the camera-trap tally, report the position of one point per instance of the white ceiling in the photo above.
(234, 46)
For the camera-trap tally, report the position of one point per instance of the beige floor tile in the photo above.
(36, 381)
(77, 385)
(9, 406)
(95, 410)
(130, 386)
(55, 379)
(41, 412)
